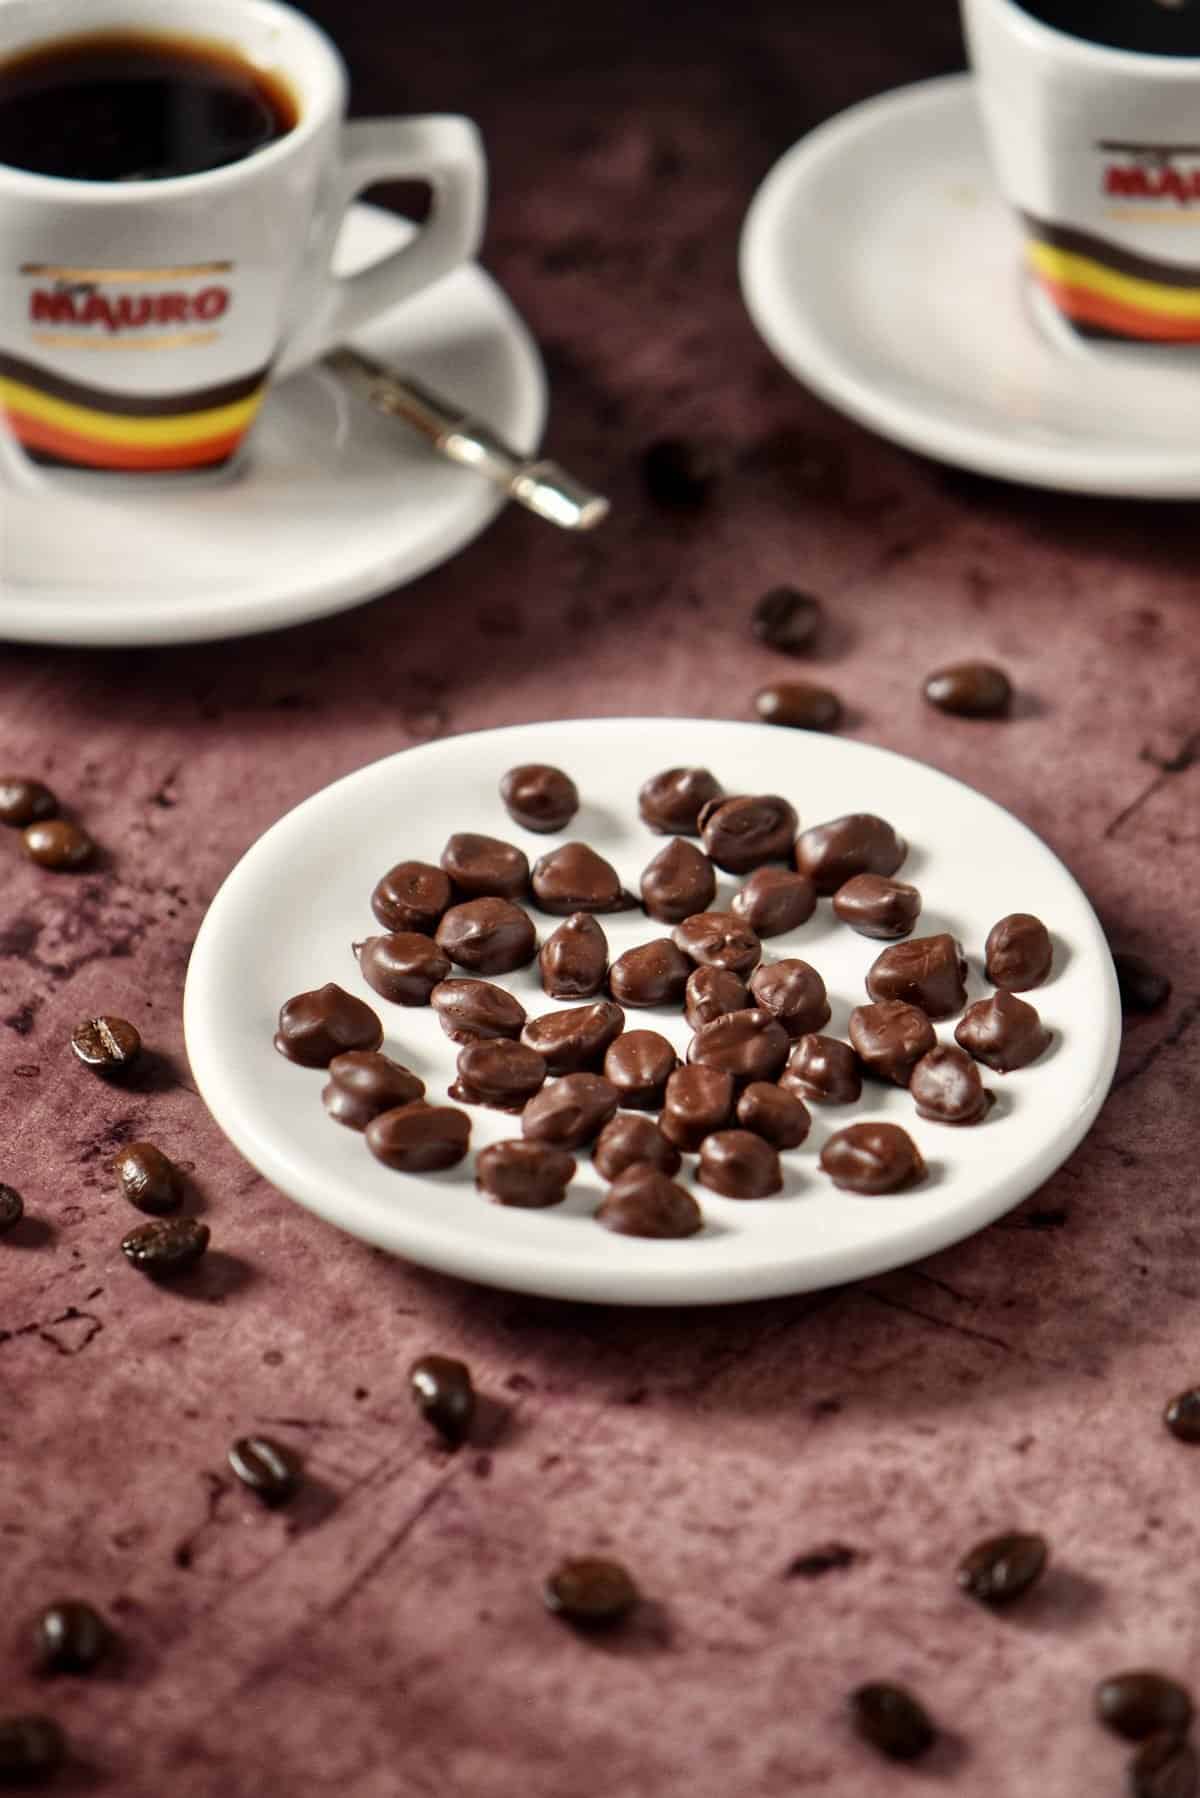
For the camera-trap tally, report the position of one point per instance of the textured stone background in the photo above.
(383, 1638)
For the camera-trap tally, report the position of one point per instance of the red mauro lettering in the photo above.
(97, 310)
(171, 308)
(211, 303)
(1129, 184)
(134, 310)
(51, 308)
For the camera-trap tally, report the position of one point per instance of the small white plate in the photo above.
(883, 268)
(332, 503)
(284, 921)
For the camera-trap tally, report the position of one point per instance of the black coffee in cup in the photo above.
(132, 106)
(1152, 27)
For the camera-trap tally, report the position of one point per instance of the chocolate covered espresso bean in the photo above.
(712, 993)
(444, 1394)
(412, 896)
(1143, 1703)
(540, 797)
(1142, 986)
(929, 972)
(878, 907)
(485, 867)
(590, 1593)
(1003, 1032)
(58, 844)
(639, 1064)
(800, 705)
(24, 801)
(892, 1721)
(630, 1138)
(499, 1073)
(719, 939)
(419, 1138)
(577, 1039)
(527, 1176)
(571, 1112)
(573, 960)
(316, 1026)
(471, 1009)
(743, 832)
(652, 974)
(859, 843)
(1003, 1568)
(740, 1165)
(148, 1178)
(643, 1202)
(774, 901)
(747, 1045)
(1165, 1766)
(823, 1070)
(574, 878)
(269, 1469)
(403, 966)
(671, 802)
(678, 882)
(488, 936)
(947, 1088)
(792, 992)
(890, 1038)
(872, 1158)
(362, 1083)
(68, 1636)
(775, 1114)
(699, 1100)
(787, 620)
(969, 689)
(1019, 952)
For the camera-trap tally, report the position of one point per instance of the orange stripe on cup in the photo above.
(89, 452)
(1113, 315)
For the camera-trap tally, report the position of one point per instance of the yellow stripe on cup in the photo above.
(1130, 290)
(139, 433)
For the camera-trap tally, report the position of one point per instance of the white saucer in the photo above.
(285, 919)
(331, 505)
(883, 268)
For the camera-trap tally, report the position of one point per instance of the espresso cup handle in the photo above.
(443, 150)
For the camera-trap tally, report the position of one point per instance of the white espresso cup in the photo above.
(142, 321)
(1097, 149)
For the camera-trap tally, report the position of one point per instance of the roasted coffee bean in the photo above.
(800, 705)
(630, 1138)
(108, 1045)
(719, 939)
(488, 936)
(699, 1100)
(165, 1247)
(472, 1009)
(929, 972)
(743, 832)
(316, 1026)
(574, 878)
(57, 844)
(498, 1073)
(69, 1636)
(1143, 1703)
(787, 620)
(412, 896)
(1182, 1415)
(679, 881)
(878, 907)
(793, 993)
(872, 1158)
(270, 1470)
(774, 901)
(713, 993)
(947, 1088)
(859, 843)
(740, 1165)
(573, 960)
(571, 1112)
(528, 1176)
(32, 1749)
(824, 1070)
(590, 1593)
(652, 974)
(679, 473)
(1003, 1568)
(969, 690)
(747, 1045)
(419, 1138)
(1142, 986)
(892, 1720)
(671, 802)
(1165, 1766)
(1003, 1032)
(362, 1083)
(444, 1394)
(403, 966)
(643, 1202)
(639, 1064)
(24, 801)
(12, 1208)
(540, 797)
(576, 1040)
(1019, 952)
(148, 1178)
(890, 1038)
(777, 1116)
(485, 867)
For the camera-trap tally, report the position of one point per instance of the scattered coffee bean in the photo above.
(787, 620)
(32, 1749)
(485, 867)
(1142, 986)
(792, 992)
(713, 993)
(824, 1070)
(165, 1247)
(1165, 1766)
(929, 972)
(892, 1720)
(947, 1087)
(69, 1636)
(12, 1208)
(148, 1178)
(412, 896)
(499, 1073)
(574, 878)
(1182, 1415)
(540, 797)
(699, 1100)
(571, 1112)
(270, 1470)
(643, 1202)
(1003, 1568)
(316, 1026)
(777, 1116)
(969, 690)
(575, 1041)
(872, 1158)
(444, 1394)
(678, 882)
(57, 844)
(859, 843)
(774, 901)
(1143, 1703)
(25, 801)
(403, 966)
(418, 1138)
(740, 1165)
(890, 1038)
(878, 907)
(671, 802)
(1019, 952)
(590, 1593)
(1003, 1032)
(719, 939)
(679, 473)
(747, 1045)
(652, 974)
(799, 705)
(362, 1083)
(527, 1176)
(743, 832)
(472, 1009)
(573, 960)
(639, 1064)
(108, 1045)
(487, 936)
(630, 1138)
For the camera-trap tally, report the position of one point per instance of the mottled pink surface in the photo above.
(383, 1638)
